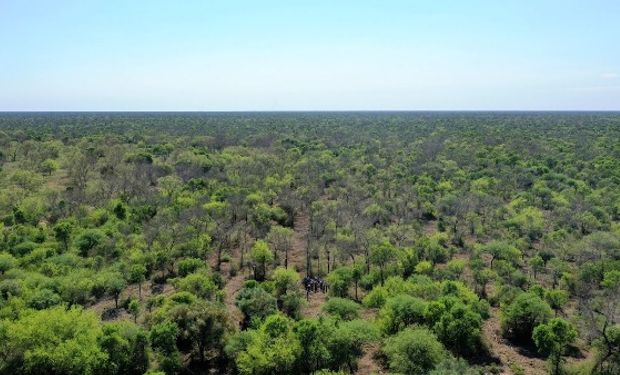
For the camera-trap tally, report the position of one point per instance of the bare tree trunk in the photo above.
(286, 258)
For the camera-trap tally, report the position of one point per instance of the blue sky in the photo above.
(310, 55)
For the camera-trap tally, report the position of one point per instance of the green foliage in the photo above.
(376, 298)
(452, 366)
(203, 326)
(382, 255)
(255, 303)
(520, 317)
(273, 349)
(342, 308)
(459, 329)
(134, 309)
(425, 267)
(48, 166)
(52, 341)
(413, 351)
(189, 265)
(284, 280)
(500, 250)
(530, 222)
(89, 240)
(120, 211)
(7, 262)
(200, 284)
(125, 345)
(340, 281)
(556, 298)
(114, 284)
(553, 339)
(43, 299)
(163, 337)
(400, 312)
(347, 341)
(260, 255)
(313, 338)
(376, 204)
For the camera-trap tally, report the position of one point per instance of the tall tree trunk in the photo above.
(328, 256)
(286, 258)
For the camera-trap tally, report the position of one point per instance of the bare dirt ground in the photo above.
(313, 306)
(297, 260)
(297, 254)
(233, 285)
(430, 227)
(367, 364)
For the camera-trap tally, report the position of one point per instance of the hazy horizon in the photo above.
(309, 56)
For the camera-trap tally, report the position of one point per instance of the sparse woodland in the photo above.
(178, 243)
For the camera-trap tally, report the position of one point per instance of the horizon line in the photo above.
(325, 111)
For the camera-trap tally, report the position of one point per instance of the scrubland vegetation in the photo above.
(452, 243)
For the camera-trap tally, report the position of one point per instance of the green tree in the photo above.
(400, 312)
(340, 280)
(137, 274)
(557, 299)
(62, 232)
(274, 349)
(189, 265)
(342, 308)
(381, 256)
(260, 257)
(519, 318)
(553, 339)
(501, 250)
(459, 329)
(114, 286)
(163, 338)
(347, 341)
(43, 299)
(313, 336)
(537, 263)
(125, 345)
(203, 325)
(7, 261)
(281, 238)
(198, 283)
(255, 303)
(424, 267)
(48, 166)
(52, 341)
(89, 240)
(287, 292)
(134, 309)
(120, 211)
(413, 351)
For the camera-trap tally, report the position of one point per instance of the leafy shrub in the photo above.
(414, 351)
(401, 311)
(519, 318)
(342, 308)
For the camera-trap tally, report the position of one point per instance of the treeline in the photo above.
(173, 242)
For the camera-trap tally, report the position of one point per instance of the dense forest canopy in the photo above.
(297, 243)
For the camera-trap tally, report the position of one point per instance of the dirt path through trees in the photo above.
(297, 256)
(233, 285)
